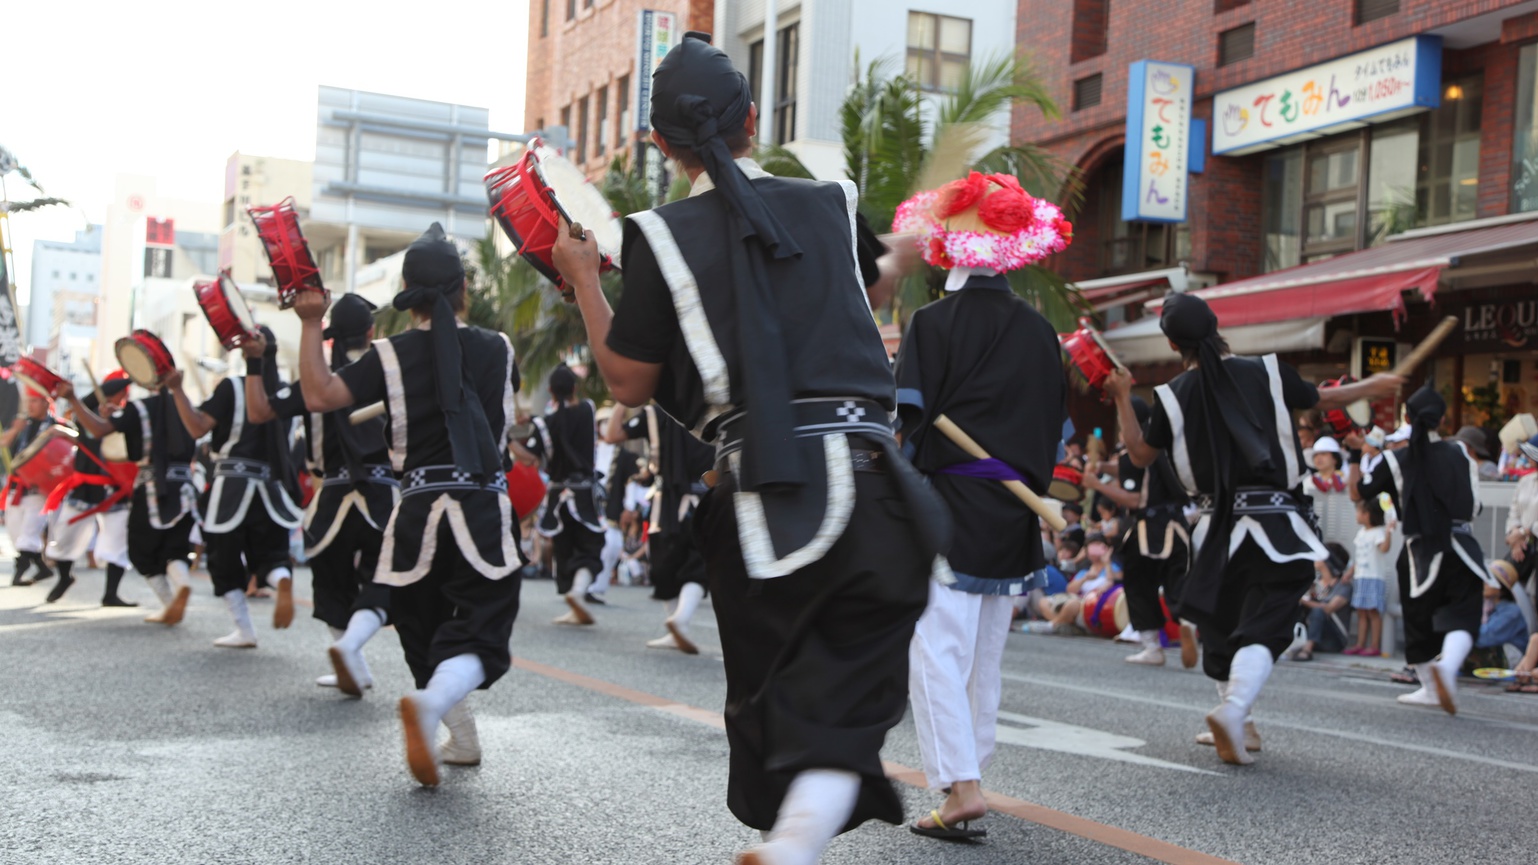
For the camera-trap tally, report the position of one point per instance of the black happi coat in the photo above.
(328, 439)
(1158, 528)
(157, 440)
(833, 350)
(1280, 524)
(566, 439)
(250, 462)
(399, 372)
(1455, 482)
(988, 361)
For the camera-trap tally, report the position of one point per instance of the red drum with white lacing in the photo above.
(1354, 417)
(526, 489)
(36, 376)
(1090, 354)
(226, 310)
(48, 460)
(1104, 613)
(145, 359)
(542, 194)
(293, 267)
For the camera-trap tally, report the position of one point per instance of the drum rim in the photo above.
(35, 447)
(231, 292)
(135, 341)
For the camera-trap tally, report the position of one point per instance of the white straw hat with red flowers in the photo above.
(984, 221)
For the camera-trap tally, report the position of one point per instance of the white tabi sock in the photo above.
(1149, 639)
(581, 583)
(816, 806)
(1456, 646)
(178, 573)
(1247, 674)
(240, 611)
(277, 575)
(689, 598)
(363, 625)
(162, 589)
(452, 681)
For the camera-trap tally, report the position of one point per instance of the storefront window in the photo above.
(1280, 198)
(1447, 188)
(1391, 179)
(1524, 148)
(1129, 247)
(1333, 173)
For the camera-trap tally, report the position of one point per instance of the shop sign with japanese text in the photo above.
(1371, 86)
(1156, 173)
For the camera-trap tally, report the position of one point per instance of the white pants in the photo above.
(953, 680)
(70, 542)
(24, 522)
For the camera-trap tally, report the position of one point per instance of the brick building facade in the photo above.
(582, 70)
(1320, 212)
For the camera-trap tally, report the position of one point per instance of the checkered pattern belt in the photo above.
(1256, 500)
(374, 474)
(239, 467)
(176, 473)
(441, 479)
(814, 418)
(859, 460)
(572, 483)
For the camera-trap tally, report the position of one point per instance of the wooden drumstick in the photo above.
(367, 413)
(101, 398)
(1426, 347)
(1021, 491)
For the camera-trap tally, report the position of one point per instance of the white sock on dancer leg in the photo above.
(1149, 639)
(452, 681)
(1247, 674)
(363, 625)
(1456, 646)
(244, 634)
(277, 575)
(689, 598)
(178, 573)
(581, 583)
(817, 805)
(162, 589)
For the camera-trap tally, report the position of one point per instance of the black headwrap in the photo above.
(351, 317)
(432, 270)
(1426, 514)
(1231, 429)
(697, 98)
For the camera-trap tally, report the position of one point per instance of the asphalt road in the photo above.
(125, 743)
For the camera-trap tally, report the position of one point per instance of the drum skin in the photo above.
(145, 359)
(1067, 483)
(536, 197)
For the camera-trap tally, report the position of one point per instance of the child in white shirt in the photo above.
(1370, 569)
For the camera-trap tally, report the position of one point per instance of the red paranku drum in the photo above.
(36, 376)
(1104, 613)
(1356, 416)
(535, 198)
(293, 267)
(526, 489)
(226, 310)
(1067, 483)
(145, 359)
(1090, 354)
(47, 461)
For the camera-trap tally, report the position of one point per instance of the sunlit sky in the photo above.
(171, 88)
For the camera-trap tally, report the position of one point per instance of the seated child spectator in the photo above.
(1324, 606)
(1370, 570)
(1505, 624)
(1061, 609)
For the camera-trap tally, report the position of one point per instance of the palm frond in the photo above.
(782, 162)
(34, 204)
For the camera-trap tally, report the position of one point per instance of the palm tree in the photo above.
(892, 149)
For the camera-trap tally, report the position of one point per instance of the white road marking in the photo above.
(1305, 728)
(1083, 741)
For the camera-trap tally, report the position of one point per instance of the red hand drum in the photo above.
(36, 376)
(1067, 483)
(526, 489)
(226, 310)
(48, 460)
(293, 267)
(1356, 416)
(1090, 354)
(536, 197)
(1104, 613)
(145, 358)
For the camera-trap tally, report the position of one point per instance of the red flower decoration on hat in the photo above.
(1008, 210)
(958, 195)
(1064, 228)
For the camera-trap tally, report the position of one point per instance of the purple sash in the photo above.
(989, 469)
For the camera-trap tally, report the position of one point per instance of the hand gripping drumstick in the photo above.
(1021, 491)
(367, 413)
(1426, 347)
